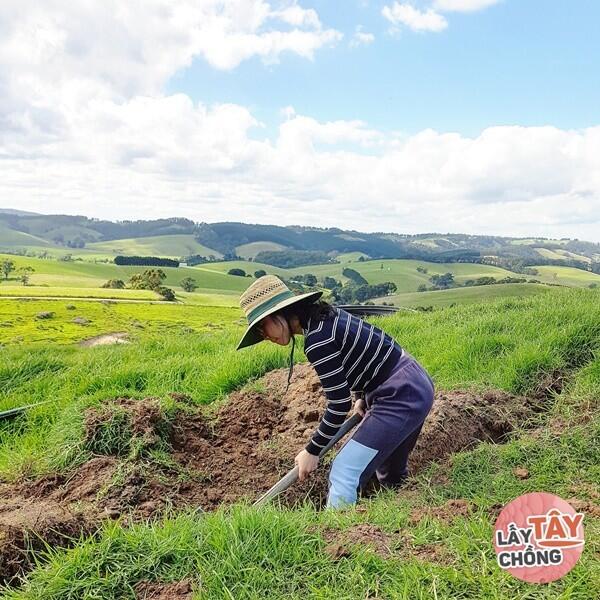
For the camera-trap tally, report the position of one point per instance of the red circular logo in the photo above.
(538, 537)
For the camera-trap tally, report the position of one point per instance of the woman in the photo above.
(348, 355)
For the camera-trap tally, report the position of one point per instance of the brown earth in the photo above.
(219, 455)
(180, 590)
(117, 337)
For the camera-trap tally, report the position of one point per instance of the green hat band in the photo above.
(270, 303)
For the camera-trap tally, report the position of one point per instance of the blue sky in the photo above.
(461, 116)
(526, 62)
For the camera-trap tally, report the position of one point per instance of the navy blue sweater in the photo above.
(348, 355)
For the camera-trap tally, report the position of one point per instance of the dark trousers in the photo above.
(382, 442)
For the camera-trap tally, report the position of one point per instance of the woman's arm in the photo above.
(325, 358)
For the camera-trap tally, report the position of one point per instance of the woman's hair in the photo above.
(316, 311)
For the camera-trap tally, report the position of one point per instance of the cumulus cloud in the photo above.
(85, 127)
(463, 5)
(361, 38)
(406, 14)
(431, 19)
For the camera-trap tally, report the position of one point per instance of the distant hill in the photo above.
(22, 232)
(16, 211)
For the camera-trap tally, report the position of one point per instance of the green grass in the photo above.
(76, 292)
(573, 255)
(547, 253)
(402, 272)
(19, 325)
(55, 273)
(170, 246)
(566, 276)
(9, 238)
(465, 295)
(253, 248)
(241, 552)
(348, 257)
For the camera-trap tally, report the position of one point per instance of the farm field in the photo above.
(430, 540)
(253, 248)
(54, 273)
(466, 295)
(44, 291)
(168, 246)
(402, 272)
(19, 323)
(566, 276)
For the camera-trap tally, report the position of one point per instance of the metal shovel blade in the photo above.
(289, 478)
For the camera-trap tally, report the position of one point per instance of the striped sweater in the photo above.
(348, 355)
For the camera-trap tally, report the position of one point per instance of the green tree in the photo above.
(115, 284)
(150, 279)
(330, 282)
(7, 267)
(24, 274)
(188, 284)
(166, 293)
(260, 273)
(238, 272)
(442, 282)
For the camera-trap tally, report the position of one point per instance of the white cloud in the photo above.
(406, 14)
(86, 128)
(463, 5)
(361, 38)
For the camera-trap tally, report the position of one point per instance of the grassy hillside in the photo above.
(402, 272)
(91, 275)
(168, 246)
(10, 238)
(468, 295)
(19, 323)
(253, 248)
(240, 552)
(566, 276)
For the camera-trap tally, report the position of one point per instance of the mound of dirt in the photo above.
(215, 456)
(117, 337)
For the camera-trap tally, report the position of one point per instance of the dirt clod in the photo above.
(521, 473)
(180, 590)
(117, 337)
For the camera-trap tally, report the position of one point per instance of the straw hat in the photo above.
(265, 296)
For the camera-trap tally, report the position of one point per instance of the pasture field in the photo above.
(253, 248)
(167, 246)
(464, 295)
(402, 272)
(43, 291)
(545, 345)
(76, 279)
(54, 273)
(566, 276)
(19, 239)
(19, 324)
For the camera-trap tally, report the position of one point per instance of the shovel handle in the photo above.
(291, 476)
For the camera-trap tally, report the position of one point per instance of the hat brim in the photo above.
(252, 336)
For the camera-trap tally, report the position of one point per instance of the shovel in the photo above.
(287, 480)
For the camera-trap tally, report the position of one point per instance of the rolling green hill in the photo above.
(251, 249)
(402, 272)
(90, 275)
(10, 238)
(566, 276)
(167, 246)
(468, 295)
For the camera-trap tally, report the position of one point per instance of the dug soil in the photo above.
(215, 456)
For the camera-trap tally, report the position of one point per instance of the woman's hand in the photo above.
(307, 463)
(359, 406)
